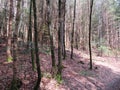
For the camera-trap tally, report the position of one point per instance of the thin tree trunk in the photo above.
(72, 34)
(36, 47)
(63, 47)
(60, 37)
(15, 47)
(9, 56)
(90, 20)
(30, 41)
(51, 37)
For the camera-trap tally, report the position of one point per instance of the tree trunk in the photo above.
(9, 56)
(60, 38)
(30, 40)
(36, 47)
(63, 41)
(15, 47)
(51, 36)
(90, 20)
(72, 34)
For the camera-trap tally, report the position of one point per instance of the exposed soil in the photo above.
(76, 74)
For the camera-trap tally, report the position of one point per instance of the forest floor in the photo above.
(76, 74)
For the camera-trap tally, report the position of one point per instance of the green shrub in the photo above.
(59, 78)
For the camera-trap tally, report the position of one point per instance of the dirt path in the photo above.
(114, 83)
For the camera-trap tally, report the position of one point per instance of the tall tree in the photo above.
(60, 32)
(9, 56)
(72, 33)
(90, 20)
(30, 38)
(15, 37)
(50, 35)
(36, 47)
(63, 30)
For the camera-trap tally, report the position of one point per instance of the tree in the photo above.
(51, 36)
(15, 80)
(63, 31)
(72, 34)
(9, 56)
(60, 32)
(30, 38)
(36, 47)
(90, 20)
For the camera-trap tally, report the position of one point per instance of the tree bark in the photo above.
(9, 56)
(36, 47)
(15, 48)
(60, 38)
(72, 34)
(30, 38)
(90, 20)
(63, 41)
(51, 37)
